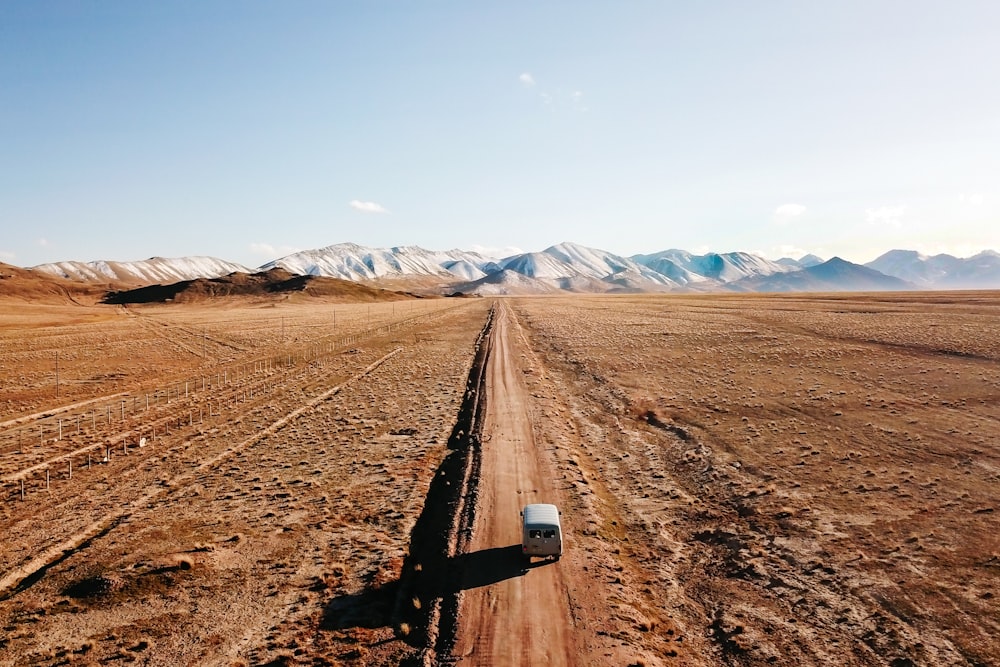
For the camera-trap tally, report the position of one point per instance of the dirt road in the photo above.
(510, 613)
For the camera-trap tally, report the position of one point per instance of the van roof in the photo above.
(541, 513)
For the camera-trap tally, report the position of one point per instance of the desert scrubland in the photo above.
(262, 520)
(745, 480)
(789, 480)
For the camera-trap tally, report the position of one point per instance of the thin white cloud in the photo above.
(961, 250)
(886, 215)
(7, 256)
(270, 251)
(497, 252)
(792, 251)
(787, 212)
(560, 100)
(43, 242)
(367, 206)
(971, 200)
(526, 79)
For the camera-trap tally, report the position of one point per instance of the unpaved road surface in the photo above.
(511, 613)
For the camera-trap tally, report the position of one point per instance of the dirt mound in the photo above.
(263, 285)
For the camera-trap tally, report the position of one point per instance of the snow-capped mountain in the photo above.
(724, 267)
(569, 264)
(463, 268)
(810, 260)
(351, 261)
(149, 271)
(941, 271)
(670, 263)
(803, 262)
(506, 282)
(565, 267)
(833, 275)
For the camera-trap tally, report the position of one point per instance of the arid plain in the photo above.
(745, 479)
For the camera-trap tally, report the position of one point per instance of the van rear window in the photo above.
(534, 533)
(548, 533)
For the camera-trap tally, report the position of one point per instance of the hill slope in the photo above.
(262, 285)
(37, 286)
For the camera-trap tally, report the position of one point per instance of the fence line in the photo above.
(141, 403)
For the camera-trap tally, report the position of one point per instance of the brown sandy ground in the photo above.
(270, 531)
(782, 480)
(745, 480)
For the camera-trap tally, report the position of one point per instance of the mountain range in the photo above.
(567, 267)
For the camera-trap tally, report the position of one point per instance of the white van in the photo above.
(541, 532)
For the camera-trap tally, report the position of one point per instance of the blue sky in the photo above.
(249, 130)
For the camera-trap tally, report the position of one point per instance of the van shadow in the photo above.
(375, 607)
(486, 567)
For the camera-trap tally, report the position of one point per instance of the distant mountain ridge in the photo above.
(833, 275)
(941, 271)
(350, 261)
(147, 271)
(570, 267)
